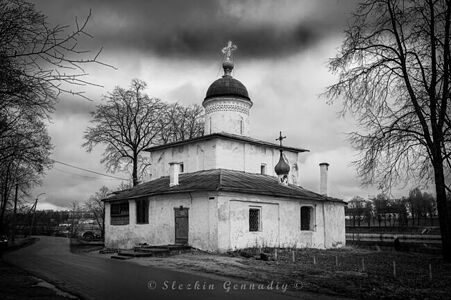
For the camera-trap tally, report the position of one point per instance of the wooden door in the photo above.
(181, 225)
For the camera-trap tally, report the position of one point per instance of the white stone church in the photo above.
(225, 190)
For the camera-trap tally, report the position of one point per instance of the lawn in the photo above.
(358, 273)
(337, 272)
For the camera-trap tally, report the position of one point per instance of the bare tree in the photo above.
(95, 206)
(421, 205)
(394, 74)
(38, 61)
(357, 208)
(127, 124)
(182, 123)
(24, 158)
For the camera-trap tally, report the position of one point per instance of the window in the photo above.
(254, 219)
(306, 218)
(182, 167)
(142, 211)
(263, 169)
(119, 213)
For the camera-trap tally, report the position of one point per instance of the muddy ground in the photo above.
(348, 272)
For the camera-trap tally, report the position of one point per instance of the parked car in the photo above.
(89, 230)
(3, 242)
(62, 230)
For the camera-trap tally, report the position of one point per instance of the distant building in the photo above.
(225, 190)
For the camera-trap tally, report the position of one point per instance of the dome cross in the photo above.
(227, 50)
(281, 138)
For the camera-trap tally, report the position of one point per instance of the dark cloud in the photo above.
(71, 106)
(198, 29)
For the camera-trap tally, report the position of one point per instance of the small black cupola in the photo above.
(282, 168)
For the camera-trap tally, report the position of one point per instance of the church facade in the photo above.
(225, 190)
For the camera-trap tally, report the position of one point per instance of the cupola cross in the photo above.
(227, 50)
(281, 138)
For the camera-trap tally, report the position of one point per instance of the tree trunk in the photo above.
(13, 221)
(135, 170)
(444, 213)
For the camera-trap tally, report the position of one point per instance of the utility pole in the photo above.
(34, 212)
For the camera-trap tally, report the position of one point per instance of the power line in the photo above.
(86, 170)
(80, 175)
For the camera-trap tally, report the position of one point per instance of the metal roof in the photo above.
(228, 136)
(227, 86)
(220, 180)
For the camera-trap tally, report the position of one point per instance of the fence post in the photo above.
(336, 261)
(293, 256)
(394, 269)
(275, 254)
(363, 264)
(430, 272)
(314, 260)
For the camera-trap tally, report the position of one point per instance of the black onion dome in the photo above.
(227, 86)
(282, 168)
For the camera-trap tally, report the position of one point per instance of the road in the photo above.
(98, 278)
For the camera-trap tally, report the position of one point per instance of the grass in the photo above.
(348, 278)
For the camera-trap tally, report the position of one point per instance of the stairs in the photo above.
(151, 251)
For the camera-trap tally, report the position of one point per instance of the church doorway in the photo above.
(181, 225)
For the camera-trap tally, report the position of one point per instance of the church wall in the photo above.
(196, 156)
(227, 115)
(226, 154)
(220, 222)
(247, 157)
(335, 225)
(280, 223)
(160, 230)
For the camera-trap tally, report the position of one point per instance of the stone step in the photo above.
(154, 252)
(174, 247)
(132, 253)
(120, 257)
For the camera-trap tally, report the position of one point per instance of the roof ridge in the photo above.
(246, 139)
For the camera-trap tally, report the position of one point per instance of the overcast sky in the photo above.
(175, 46)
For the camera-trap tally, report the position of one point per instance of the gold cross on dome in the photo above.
(227, 50)
(281, 138)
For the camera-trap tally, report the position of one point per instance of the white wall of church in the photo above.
(202, 224)
(225, 154)
(227, 115)
(220, 222)
(335, 225)
(280, 223)
(195, 156)
(247, 157)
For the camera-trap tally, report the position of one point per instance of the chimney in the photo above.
(323, 167)
(174, 171)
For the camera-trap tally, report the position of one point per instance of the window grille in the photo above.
(306, 218)
(142, 211)
(119, 213)
(254, 219)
